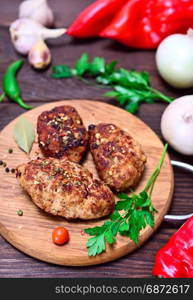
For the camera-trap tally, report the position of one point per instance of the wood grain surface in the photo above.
(39, 88)
(32, 232)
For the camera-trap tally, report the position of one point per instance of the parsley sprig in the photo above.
(130, 216)
(129, 87)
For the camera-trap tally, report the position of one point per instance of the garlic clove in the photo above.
(37, 10)
(53, 33)
(39, 56)
(26, 32)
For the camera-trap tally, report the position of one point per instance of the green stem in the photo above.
(156, 172)
(162, 96)
(2, 97)
(91, 83)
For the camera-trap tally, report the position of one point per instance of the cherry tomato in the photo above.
(60, 236)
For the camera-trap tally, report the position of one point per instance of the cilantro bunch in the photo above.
(130, 216)
(129, 88)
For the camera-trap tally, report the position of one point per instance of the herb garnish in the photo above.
(129, 88)
(24, 134)
(138, 212)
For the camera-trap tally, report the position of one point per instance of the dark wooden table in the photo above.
(38, 88)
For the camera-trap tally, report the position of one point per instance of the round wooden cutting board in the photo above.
(31, 233)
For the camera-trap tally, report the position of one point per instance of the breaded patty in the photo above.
(119, 159)
(66, 189)
(61, 134)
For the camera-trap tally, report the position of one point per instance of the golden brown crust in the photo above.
(61, 134)
(64, 188)
(119, 159)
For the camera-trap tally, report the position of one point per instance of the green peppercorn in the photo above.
(20, 212)
(10, 150)
(4, 164)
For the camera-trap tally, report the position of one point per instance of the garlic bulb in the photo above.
(177, 124)
(38, 10)
(39, 55)
(26, 32)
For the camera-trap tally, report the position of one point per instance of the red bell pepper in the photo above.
(95, 18)
(175, 259)
(144, 23)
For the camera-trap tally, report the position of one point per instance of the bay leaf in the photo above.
(24, 134)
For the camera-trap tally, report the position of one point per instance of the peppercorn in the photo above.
(91, 127)
(7, 170)
(94, 146)
(20, 212)
(10, 150)
(12, 170)
(1, 162)
(4, 164)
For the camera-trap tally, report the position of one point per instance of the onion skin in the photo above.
(174, 60)
(177, 125)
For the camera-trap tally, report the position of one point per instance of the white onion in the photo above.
(177, 124)
(174, 60)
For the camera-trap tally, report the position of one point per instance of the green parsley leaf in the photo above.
(124, 227)
(115, 215)
(126, 204)
(62, 71)
(110, 68)
(95, 231)
(111, 94)
(109, 237)
(115, 227)
(97, 66)
(123, 196)
(148, 217)
(96, 245)
(82, 65)
(129, 87)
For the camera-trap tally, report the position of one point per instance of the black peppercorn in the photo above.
(91, 127)
(94, 146)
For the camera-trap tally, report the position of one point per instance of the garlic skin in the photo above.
(26, 32)
(174, 60)
(39, 56)
(37, 10)
(177, 125)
